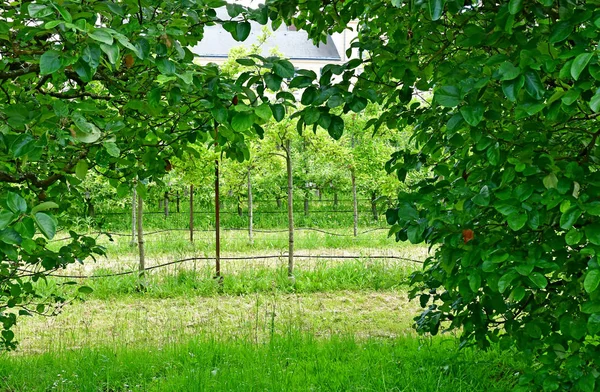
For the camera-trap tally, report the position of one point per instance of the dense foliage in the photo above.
(509, 141)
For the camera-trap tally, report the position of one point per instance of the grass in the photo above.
(343, 325)
(241, 278)
(288, 362)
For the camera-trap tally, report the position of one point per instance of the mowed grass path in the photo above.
(344, 341)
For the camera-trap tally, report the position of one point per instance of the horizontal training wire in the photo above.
(382, 257)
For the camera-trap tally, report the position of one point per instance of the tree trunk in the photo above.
(133, 219)
(374, 206)
(335, 200)
(239, 207)
(166, 205)
(250, 213)
(191, 213)
(354, 202)
(140, 233)
(305, 204)
(177, 201)
(278, 203)
(290, 202)
(91, 212)
(160, 204)
(217, 217)
(320, 194)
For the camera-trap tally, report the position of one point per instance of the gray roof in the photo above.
(294, 45)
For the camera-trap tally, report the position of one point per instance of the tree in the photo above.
(110, 87)
(503, 99)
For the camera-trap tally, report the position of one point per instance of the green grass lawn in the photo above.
(288, 362)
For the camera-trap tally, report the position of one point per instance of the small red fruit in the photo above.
(468, 235)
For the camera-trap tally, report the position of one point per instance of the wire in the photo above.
(112, 234)
(380, 257)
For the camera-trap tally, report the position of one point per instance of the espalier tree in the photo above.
(108, 86)
(509, 141)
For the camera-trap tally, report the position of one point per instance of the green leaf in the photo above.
(273, 81)
(539, 280)
(592, 233)
(242, 31)
(560, 32)
(505, 280)
(16, 203)
(592, 280)
(50, 62)
(242, 121)
(508, 71)
(311, 115)
(246, 62)
(358, 104)
(6, 218)
(45, 206)
(278, 111)
(284, 69)
(165, 66)
(493, 154)
(517, 220)
(568, 219)
(81, 169)
(263, 111)
(483, 197)
(112, 52)
(595, 102)
(515, 6)
(593, 323)
(22, 145)
(533, 85)
(436, 8)
(573, 237)
(39, 10)
(511, 88)
(101, 35)
(309, 95)
(46, 223)
(550, 181)
(10, 236)
(447, 96)
(85, 290)
(86, 132)
(579, 64)
(336, 127)
(473, 114)
(112, 149)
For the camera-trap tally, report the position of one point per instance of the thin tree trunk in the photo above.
(133, 215)
(278, 203)
(354, 202)
(217, 215)
(160, 204)
(239, 207)
(320, 194)
(305, 204)
(250, 213)
(335, 200)
(166, 205)
(374, 206)
(140, 233)
(290, 181)
(177, 201)
(191, 213)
